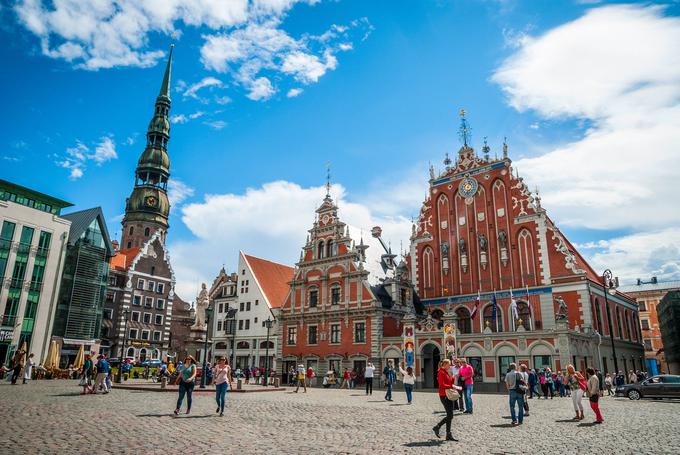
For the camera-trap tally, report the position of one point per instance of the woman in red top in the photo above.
(445, 382)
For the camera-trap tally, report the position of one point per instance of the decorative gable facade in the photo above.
(483, 235)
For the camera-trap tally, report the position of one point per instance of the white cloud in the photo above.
(178, 118)
(178, 191)
(76, 158)
(222, 100)
(292, 93)
(307, 68)
(617, 68)
(193, 89)
(641, 255)
(260, 223)
(216, 124)
(261, 89)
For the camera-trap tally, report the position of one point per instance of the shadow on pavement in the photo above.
(566, 421)
(589, 424)
(430, 443)
(73, 394)
(399, 404)
(502, 425)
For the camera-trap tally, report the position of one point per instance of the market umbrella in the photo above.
(54, 360)
(25, 356)
(80, 358)
(48, 358)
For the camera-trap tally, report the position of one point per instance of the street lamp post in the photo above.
(231, 330)
(268, 323)
(599, 356)
(208, 317)
(119, 377)
(610, 283)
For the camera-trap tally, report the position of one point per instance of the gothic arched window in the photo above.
(146, 232)
(524, 313)
(319, 250)
(330, 249)
(464, 321)
(488, 317)
(132, 229)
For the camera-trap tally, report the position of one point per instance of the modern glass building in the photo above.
(32, 247)
(78, 315)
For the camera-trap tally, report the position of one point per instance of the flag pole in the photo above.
(531, 309)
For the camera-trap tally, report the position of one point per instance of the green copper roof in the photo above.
(16, 193)
(165, 87)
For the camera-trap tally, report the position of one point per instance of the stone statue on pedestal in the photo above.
(201, 305)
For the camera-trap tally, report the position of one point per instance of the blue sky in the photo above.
(266, 92)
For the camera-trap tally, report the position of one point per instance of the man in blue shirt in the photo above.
(103, 370)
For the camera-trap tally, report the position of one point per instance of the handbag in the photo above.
(452, 394)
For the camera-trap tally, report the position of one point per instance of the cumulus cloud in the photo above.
(616, 68)
(240, 37)
(77, 157)
(178, 191)
(259, 222)
(292, 93)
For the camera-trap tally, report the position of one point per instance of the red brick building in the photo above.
(332, 317)
(482, 232)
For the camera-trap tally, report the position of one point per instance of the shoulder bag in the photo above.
(452, 394)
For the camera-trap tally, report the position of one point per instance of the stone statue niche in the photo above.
(201, 305)
(562, 310)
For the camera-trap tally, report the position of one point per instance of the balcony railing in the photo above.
(15, 283)
(23, 248)
(27, 325)
(8, 320)
(42, 252)
(5, 244)
(35, 286)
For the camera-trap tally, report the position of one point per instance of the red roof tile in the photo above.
(123, 258)
(273, 278)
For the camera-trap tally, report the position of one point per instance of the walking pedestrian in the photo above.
(632, 377)
(525, 377)
(86, 376)
(608, 384)
(390, 379)
(409, 380)
(222, 377)
(301, 378)
(28, 368)
(353, 378)
(368, 377)
(187, 380)
(550, 383)
(17, 364)
(310, 375)
(514, 382)
(447, 397)
(467, 373)
(102, 372)
(345, 379)
(577, 385)
(593, 390)
(532, 383)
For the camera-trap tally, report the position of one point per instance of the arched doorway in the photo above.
(142, 354)
(430, 356)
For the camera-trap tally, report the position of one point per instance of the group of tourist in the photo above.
(253, 375)
(95, 377)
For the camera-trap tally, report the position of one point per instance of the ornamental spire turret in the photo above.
(147, 209)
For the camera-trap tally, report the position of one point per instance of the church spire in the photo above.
(147, 209)
(165, 87)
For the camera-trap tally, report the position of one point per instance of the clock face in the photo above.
(151, 201)
(326, 218)
(468, 186)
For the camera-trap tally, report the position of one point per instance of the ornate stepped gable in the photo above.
(481, 229)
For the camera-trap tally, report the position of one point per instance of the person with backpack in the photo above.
(577, 384)
(301, 378)
(103, 370)
(593, 391)
(517, 387)
(523, 371)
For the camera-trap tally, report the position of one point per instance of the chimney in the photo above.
(115, 245)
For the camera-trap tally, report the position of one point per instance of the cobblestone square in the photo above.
(51, 417)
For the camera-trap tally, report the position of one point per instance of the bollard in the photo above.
(164, 382)
(239, 384)
(277, 382)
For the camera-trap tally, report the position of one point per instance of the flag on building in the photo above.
(531, 309)
(513, 306)
(476, 307)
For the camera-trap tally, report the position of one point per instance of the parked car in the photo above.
(151, 363)
(662, 386)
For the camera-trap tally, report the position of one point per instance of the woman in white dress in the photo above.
(28, 369)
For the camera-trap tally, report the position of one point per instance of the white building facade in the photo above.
(33, 241)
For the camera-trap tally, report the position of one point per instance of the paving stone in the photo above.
(49, 417)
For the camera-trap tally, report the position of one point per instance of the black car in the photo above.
(662, 386)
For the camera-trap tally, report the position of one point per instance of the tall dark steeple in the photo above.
(147, 208)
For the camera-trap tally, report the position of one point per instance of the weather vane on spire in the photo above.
(328, 179)
(464, 131)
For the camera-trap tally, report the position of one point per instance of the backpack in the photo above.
(520, 386)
